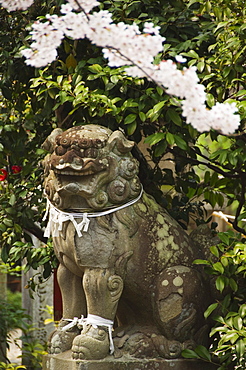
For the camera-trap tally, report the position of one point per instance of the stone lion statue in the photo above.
(126, 275)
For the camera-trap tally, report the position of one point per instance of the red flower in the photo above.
(3, 174)
(16, 169)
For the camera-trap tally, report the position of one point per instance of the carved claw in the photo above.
(91, 344)
(61, 341)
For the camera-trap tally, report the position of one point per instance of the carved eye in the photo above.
(97, 143)
(60, 150)
(85, 143)
(65, 142)
(131, 166)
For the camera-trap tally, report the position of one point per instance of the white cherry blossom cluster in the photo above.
(13, 5)
(185, 85)
(125, 45)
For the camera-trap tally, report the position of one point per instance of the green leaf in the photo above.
(224, 261)
(154, 138)
(210, 309)
(223, 156)
(189, 353)
(220, 283)
(8, 222)
(160, 149)
(242, 310)
(180, 142)
(157, 107)
(12, 199)
(214, 250)
(131, 128)
(173, 116)
(218, 267)
(240, 93)
(240, 349)
(232, 337)
(130, 118)
(95, 68)
(206, 177)
(159, 90)
(224, 238)
(59, 79)
(142, 116)
(170, 138)
(201, 65)
(114, 79)
(201, 262)
(203, 352)
(242, 216)
(238, 323)
(2, 227)
(210, 100)
(192, 54)
(233, 284)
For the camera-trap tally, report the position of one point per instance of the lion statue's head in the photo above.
(90, 167)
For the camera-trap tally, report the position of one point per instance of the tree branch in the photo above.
(240, 206)
(209, 165)
(37, 232)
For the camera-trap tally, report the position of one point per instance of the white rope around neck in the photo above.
(95, 321)
(57, 217)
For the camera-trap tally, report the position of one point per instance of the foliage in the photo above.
(11, 366)
(80, 88)
(14, 298)
(32, 352)
(227, 265)
(11, 317)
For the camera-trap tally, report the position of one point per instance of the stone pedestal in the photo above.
(63, 361)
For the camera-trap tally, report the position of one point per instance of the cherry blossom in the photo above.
(12, 5)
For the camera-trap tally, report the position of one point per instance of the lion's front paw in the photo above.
(61, 340)
(91, 344)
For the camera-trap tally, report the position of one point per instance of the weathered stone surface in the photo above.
(63, 361)
(132, 266)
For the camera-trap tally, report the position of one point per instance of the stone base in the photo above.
(64, 361)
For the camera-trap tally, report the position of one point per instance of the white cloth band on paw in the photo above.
(95, 321)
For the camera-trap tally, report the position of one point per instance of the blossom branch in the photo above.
(132, 49)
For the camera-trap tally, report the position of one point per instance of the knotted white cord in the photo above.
(95, 321)
(57, 217)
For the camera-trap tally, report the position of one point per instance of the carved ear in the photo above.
(50, 143)
(119, 142)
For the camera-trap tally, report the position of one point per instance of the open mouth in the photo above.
(84, 168)
(69, 172)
